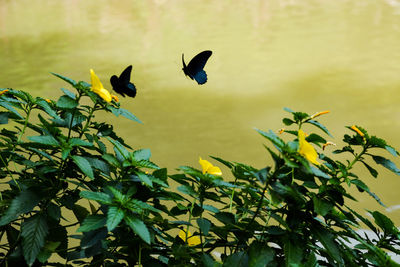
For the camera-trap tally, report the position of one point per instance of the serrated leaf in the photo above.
(10, 108)
(328, 242)
(21, 204)
(33, 231)
(129, 115)
(44, 139)
(79, 212)
(272, 137)
(65, 102)
(371, 170)
(392, 151)
(288, 110)
(204, 225)
(142, 154)
(260, 254)
(68, 80)
(47, 250)
(114, 217)
(101, 197)
(4, 117)
(118, 195)
(92, 222)
(238, 259)
(118, 146)
(319, 173)
(68, 93)
(144, 178)
(84, 166)
(384, 223)
(139, 227)
(387, 164)
(46, 107)
(321, 206)
(319, 125)
(79, 142)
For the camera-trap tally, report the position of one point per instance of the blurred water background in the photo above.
(309, 55)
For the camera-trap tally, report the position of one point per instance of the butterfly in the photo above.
(195, 67)
(122, 84)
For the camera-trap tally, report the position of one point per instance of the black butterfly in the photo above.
(122, 84)
(195, 67)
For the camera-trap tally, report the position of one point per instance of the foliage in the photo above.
(56, 160)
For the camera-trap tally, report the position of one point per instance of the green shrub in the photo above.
(295, 213)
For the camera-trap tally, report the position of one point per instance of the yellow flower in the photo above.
(48, 100)
(209, 168)
(115, 98)
(191, 240)
(327, 144)
(306, 149)
(281, 131)
(319, 114)
(354, 128)
(98, 88)
(4, 91)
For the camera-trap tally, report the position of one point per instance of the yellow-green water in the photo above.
(309, 55)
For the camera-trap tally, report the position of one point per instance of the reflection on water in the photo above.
(309, 55)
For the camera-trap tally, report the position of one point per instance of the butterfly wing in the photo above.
(200, 77)
(125, 76)
(116, 86)
(198, 62)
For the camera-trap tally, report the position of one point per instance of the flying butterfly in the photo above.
(122, 84)
(195, 67)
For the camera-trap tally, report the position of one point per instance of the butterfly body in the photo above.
(194, 70)
(122, 84)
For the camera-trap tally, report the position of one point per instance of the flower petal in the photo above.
(205, 165)
(96, 84)
(194, 240)
(306, 149)
(182, 235)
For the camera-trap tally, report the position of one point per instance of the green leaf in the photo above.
(33, 231)
(225, 217)
(79, 142)
(371, 170)
(272, 137)
(293, 253)
(46, 107)
(83, 165)
(45, 140)
(319, 125)
(92, 222)
(142, 154)
(6, 105)
(128, 115)
(287, 121)
(319, 173)
(139, 227)
(260, 254)
(238, 259)
(4, 117)
(208, 261)
(392, 151)
(384, 223)
(65, 102)
(68, 93)
(144, 178)
(321, 206)
(114, 217)
(103, 198)
(288, 110)
(21, 204)
(79, 212)
(387, 164)
(328, 242)
(47, 250)
(68, 80)
(204, 225)
(118, 146)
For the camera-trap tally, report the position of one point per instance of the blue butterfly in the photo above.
(195, 67)
(122, 84)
